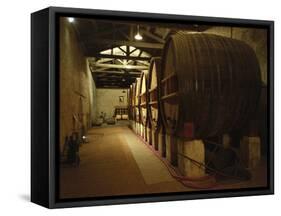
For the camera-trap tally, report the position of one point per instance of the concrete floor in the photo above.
(117, 162)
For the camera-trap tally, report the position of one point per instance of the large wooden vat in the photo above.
(210, 85)
(131, 101)
(137, 101)
(137, 106)
(153, 89)
(144, 98)
(154, 113)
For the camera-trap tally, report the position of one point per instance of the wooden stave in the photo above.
(136, 101)
(131, 102)
(156, 125)
(167, 127)
(144, 116)
(183, 103)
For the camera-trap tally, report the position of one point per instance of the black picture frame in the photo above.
(44, 106)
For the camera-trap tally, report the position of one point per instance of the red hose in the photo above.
(192, 182)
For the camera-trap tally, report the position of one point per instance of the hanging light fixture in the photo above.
(70, 19)
(138, 35)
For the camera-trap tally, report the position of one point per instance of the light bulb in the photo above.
(70, 19)
(138, 36)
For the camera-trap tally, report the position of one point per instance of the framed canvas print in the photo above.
(138, 107)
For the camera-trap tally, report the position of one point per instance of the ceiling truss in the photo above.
(113, 69)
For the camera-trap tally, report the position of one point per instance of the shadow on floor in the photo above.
(25, 197)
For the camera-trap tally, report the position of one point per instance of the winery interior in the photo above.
(149, 108)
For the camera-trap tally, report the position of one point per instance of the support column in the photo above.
(250, 148)
(191, 149)
(149, 135)
(141, 130)
(171, 149)
(131, 124)
(162, 143)
(155, 139)
(137, 128)
(226, 140)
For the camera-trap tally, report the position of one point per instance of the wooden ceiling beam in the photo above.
(152, 36)
(111, 79)
(191, 25)
(99, 34)
(113, 84)
(115, 72)
(135, 58)
(109, 42)
(136, 67)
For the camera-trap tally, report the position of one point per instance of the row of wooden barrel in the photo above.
(205, 85)
(202, 86)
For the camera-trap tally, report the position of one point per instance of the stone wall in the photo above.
(77, 88)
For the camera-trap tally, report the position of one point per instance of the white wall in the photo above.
(15, 108)
(108, 99)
